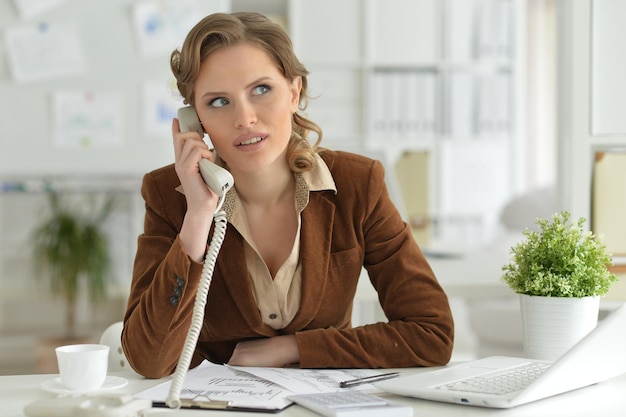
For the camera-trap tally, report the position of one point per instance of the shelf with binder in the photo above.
(418, 75)
(481, 30)
(479, 64)
(478, 105)
(405, 105)
(402, 106)
(336, 96)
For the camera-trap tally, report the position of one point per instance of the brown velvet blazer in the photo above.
(358, 226)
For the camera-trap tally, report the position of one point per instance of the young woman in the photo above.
(302, 222)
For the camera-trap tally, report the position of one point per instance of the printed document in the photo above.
(255, 387)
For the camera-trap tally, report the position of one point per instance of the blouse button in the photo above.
(273, 316)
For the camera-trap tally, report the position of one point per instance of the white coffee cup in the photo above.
(83, 367)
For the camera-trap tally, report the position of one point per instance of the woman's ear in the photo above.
(295, 88)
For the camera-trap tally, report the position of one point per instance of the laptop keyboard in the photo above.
(500, 383)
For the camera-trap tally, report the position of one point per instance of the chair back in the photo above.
(112, 337)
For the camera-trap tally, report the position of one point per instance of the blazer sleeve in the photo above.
(420, 329)
(164, 284)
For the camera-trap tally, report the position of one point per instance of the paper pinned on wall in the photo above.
(87, 119)
(31, 8)
(161, 26)
(160, 105)
(44, 51)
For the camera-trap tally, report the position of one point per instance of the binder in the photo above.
(412, 171)
(608, 204)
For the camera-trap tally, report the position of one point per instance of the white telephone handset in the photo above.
(217, 178)
(220, 181)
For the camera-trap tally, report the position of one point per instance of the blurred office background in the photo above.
(486, 114)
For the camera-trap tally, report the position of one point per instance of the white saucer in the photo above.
(55, 385)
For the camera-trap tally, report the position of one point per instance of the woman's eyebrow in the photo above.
(249, 85)
(258, 81)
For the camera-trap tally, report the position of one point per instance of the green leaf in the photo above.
(561, 260)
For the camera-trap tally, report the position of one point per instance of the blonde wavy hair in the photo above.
(219, 30)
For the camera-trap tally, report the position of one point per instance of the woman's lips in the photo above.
(251, 141)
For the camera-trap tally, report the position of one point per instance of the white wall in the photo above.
(113, 64)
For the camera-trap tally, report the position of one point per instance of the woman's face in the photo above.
(246, 106)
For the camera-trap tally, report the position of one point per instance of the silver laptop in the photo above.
(505, 382)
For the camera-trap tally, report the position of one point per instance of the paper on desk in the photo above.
(305, 381)
(260, 388)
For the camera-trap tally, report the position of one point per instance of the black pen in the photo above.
(368, 379)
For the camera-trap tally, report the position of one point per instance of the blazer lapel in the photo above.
(236, 280)
(315, 241)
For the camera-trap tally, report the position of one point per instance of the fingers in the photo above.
(187, 143)
(189, 149)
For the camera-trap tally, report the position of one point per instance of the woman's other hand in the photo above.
(276, 352)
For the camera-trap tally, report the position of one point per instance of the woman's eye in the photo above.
(261, 89)
(219, 102)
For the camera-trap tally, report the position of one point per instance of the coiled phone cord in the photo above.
(173, 397)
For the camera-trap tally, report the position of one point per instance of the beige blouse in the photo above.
(278, 299)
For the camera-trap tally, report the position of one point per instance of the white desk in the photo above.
(473, 274)
(469, 275)
(605, 400)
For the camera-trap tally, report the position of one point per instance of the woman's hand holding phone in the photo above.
(189, 149)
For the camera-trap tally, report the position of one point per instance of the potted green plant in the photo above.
(560, 272)
(70, 247)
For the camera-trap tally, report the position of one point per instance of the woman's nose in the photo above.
(245, 115)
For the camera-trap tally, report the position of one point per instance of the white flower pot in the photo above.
(552, 325)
